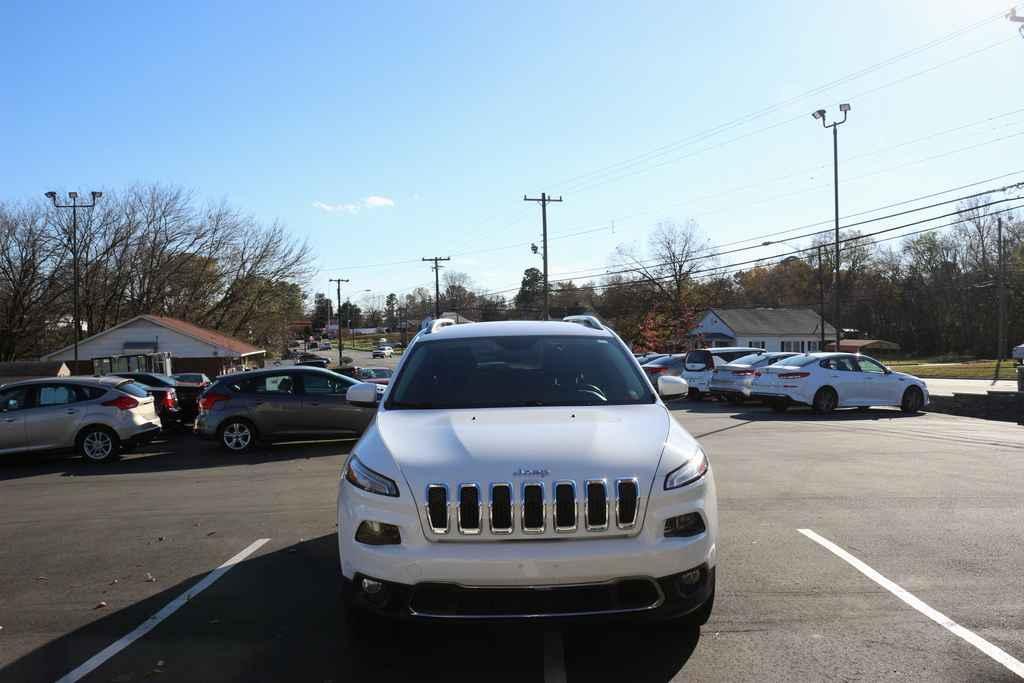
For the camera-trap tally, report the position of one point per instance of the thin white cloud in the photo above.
(376, 201)
(371, 202)
(336, 208)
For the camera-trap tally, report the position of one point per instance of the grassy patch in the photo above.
(943, 369)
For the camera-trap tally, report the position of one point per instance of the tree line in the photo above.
(933, 293)
(149, 249)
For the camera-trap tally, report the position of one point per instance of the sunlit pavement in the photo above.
(930, 502)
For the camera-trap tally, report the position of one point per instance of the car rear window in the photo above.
(666, 362)
(133, 388)
(695, 358)
(797, 361)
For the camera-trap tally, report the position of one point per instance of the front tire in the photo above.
(913, 400)
(237, 435)
(825, 401)
(98, 444)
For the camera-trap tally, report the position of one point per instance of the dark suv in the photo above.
(279, 404)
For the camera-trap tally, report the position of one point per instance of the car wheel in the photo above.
(778, 406)
(98, 444)
(912, 401)
(825, 401)
(237, 435)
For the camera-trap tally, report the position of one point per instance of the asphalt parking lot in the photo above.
(930, 502)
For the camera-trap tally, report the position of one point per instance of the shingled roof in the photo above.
(772, 321)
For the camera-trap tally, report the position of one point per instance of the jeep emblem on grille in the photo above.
(524, 472)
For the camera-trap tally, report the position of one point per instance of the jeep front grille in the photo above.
(533, 509)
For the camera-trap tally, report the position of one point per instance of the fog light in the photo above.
(375, 592)
(686, 578)
(378, 533)
(680, 526)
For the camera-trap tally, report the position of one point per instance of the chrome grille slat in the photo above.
(469, 509)
(534, 504)
(560, 506)
(437, 508)
(503, 506)
(627, 502)
(596, 491)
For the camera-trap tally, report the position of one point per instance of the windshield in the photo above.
(375, 373)
(499, 372)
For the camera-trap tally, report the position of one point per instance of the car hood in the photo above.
(492, 445)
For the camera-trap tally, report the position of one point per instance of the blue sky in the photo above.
(383, 132)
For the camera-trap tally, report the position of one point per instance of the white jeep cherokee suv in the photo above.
(526, 469)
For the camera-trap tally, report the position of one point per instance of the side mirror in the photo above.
(669, 386)
(363, 395)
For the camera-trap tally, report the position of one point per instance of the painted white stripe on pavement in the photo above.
(148, 625)
(1014, 665)
(554, 658)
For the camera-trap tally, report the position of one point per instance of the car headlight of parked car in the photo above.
(695, 467)
(362, 476)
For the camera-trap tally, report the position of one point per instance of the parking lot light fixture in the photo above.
(820, 115)
(74, 206)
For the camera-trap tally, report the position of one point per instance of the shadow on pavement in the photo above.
(168, 453)
(278, 616)
(800, 414)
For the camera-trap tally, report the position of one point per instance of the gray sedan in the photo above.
(279, 404)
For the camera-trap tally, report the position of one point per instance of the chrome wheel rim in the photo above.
(97, 445)
(237, 436)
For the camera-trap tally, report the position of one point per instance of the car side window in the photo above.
(273, 384)
(56, 395)
(13, 399)
(842, 364)
(322, 384)
(868, 365)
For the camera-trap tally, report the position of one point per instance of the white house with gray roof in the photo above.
(772, 329)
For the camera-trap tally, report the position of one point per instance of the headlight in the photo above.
(689, 472)
(362, 476)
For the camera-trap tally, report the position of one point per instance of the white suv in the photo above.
(526, 469)
(699, 366)
(382, 352)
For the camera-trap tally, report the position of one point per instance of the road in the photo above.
(931, 502)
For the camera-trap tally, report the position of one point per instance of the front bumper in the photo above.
(640, 599)
(544, 563)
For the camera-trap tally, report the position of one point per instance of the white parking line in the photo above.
(554, 658)
(148, 625)
(1014, 665)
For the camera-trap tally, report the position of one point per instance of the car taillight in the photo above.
(207, 401)
(122, 402)
(170, 397)
(656, 370)
(793, 375)
(744, 373)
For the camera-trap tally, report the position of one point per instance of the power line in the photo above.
(714, 130)
(842, 241)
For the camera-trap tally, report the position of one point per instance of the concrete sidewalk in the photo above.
(948, 387)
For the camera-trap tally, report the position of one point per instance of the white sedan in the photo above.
(826, 381)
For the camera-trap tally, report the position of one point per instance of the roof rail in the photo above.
(438, 324)
(586, 320)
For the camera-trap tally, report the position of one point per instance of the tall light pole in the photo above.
(820, 114)
(74, 206)
(341, 340)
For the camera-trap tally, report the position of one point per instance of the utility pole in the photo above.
(821, 299)
(341, 342)
(437, 282)
(74, 206)
(544, 199)
(820, 114)
(1001, 267)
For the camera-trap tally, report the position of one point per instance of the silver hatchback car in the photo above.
(281, 404)
(97, 417)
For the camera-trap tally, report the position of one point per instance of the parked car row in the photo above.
(823, 381)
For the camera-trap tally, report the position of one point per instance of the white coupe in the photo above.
(826, 381)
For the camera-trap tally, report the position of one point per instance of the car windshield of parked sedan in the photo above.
(503, 372)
